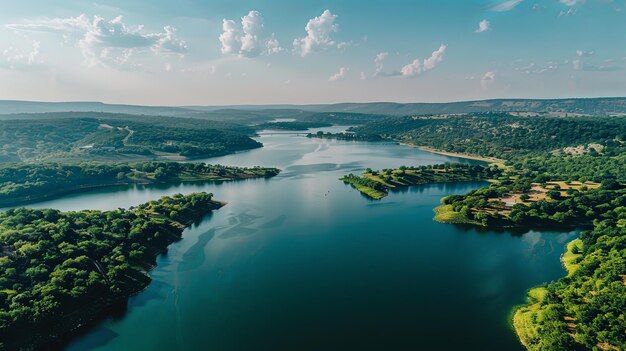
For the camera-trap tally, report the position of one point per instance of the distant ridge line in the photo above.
(582, 106)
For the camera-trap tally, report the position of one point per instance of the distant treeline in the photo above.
(294, 126)
(346, 136)
(22, 183)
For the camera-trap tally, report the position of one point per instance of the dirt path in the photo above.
(130, 134)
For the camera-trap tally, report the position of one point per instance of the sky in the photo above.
(225, 52)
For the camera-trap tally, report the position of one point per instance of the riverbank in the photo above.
(23, 184)
(491, 160)
(525, 316)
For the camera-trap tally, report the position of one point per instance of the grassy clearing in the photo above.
(445, 214)
(526, 317)
(491, 160)
(367, 191)
(572, 256)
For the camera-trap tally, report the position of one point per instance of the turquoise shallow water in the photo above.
(303, 262)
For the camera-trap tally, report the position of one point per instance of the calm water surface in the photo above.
(304, 262)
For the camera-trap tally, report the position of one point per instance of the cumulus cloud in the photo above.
(112, 41)
(488, 79)
(379, 61)
(418, 67)
(339, 75)
(483, 26)
(435, 58)
(412, 69)
(273, 46)
(229, 37)
(247, 39)
(504, 6)
(16, 59)
(318, 34)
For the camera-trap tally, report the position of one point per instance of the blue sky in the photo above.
(261, 52)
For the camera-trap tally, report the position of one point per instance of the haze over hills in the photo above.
(586, 106)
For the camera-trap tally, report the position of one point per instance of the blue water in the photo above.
(303, 262)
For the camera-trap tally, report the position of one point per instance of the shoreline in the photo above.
(23, 201)
(493, 160)
(86, 317)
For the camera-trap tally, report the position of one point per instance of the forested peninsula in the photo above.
(59, 270)
(22, 183)
(558, 172)
(376, 184)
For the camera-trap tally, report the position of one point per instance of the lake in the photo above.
(303, 262)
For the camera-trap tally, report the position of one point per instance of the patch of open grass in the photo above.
(525, 317)
(365, 190)
(571, 259)
(445, 214)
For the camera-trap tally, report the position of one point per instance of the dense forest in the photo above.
(503, 136)
(376, 184)
(59, 270)
(587, 308)
(25, 182)
(106, 139)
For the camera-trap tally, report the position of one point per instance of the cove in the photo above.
(303, 262)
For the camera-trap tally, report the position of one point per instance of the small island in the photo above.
(60, 270)
(26, 182)
(376, 184)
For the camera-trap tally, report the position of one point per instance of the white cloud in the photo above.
(110, 41)
(247, 39)
(362, 76)
(15, 59)
(579, 65)
(417, 67)
(488, 79)
(59, 25)
(229, 37)
(252, 25)
(504, 6)
(569, 12)
(339, 75)
(412, 69)
(534, 68)
(318, 30)
(168, 42)
(435, 58)
(483, 26)
(379, 60)
(571, 2)
(273, 46)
